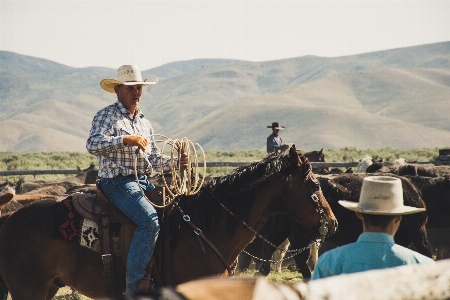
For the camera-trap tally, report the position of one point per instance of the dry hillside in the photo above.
(396, 98)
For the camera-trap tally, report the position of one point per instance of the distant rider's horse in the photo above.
(34, 265)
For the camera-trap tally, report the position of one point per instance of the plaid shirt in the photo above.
(105, 141)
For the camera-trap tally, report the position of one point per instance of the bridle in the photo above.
(323, 228)
(312, 183)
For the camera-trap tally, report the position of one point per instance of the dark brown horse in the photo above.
(276, 230)
(317, 156)
(34, 265)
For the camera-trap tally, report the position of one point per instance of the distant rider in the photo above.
(274, 141)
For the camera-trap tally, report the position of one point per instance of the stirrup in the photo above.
(145, 285)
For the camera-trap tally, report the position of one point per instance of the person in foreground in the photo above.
(274, 141)
(380, 208)
(119, 133)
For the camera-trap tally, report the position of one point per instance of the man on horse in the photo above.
(274, 141)
(119, 134)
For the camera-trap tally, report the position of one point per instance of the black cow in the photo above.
(433, 184)
(435, 191)
(408, 169)
(436, 194)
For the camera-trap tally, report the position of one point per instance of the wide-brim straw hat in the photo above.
(127, 75)
(381, 195)
(276, 125)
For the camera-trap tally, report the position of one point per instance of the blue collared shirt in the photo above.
(372, 250)
(274, 143)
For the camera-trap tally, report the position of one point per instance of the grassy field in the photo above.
(70, 160)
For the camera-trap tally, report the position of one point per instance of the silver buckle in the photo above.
(315, 197)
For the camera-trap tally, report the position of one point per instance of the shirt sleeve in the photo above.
(102, 139)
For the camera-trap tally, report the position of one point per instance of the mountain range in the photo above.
(397, 98)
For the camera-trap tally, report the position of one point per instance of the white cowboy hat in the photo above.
(381, 195)
(127, 75)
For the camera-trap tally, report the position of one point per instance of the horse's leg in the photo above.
(244, 261)
(300, 237)
(278, 255)
(301, 262)
(20, 291)
(314, 255)
(52, 292)
(279, 234)
(3, 289)
(254, 248)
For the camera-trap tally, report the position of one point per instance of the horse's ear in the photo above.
(294, 155)
(321, 150)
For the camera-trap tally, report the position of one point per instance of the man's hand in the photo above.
(184, 160)
(135, 140)
(285, 147)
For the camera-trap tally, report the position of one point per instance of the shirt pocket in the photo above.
(119, 129)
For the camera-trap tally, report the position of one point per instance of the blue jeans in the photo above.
(124, 193)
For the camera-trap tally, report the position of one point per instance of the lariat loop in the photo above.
(185, 180)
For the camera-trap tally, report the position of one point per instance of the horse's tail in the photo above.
(3, 287)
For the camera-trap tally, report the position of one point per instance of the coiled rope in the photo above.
(185, 181)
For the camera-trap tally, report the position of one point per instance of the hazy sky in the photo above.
(151, 33)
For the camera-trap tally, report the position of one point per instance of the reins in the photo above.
(188, 184)
(184, 185)
(323, 230)
(201, 235)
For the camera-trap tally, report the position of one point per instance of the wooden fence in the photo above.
(208, 165)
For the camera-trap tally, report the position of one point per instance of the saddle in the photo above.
(98, 209)
(104, 214)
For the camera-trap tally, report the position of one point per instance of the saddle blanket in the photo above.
(70, 226)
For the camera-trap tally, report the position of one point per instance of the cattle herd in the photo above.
(428, 233)
(424, 186)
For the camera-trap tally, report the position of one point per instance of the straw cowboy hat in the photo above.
(127, 75)
(276, 125)
(381, 195)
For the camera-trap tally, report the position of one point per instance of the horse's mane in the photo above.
(236, 191)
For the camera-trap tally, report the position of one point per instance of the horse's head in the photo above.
(303, 198)
(317, 156)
